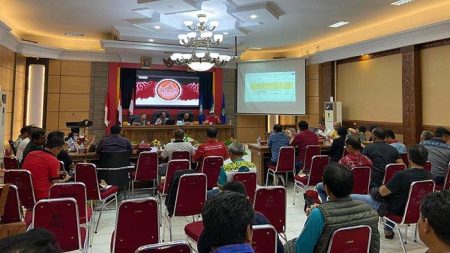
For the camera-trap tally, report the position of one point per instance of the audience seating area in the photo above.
(71, 208)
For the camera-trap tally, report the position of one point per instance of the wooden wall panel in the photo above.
(371, 90)
(68, 93)
(54, 83)
(76, 68)
(75, 84)
(74, 102)
(19, 95)
(250, 127)
(436, 85)
(52, 102)
(7, 72)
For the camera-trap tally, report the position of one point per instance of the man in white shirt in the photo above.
(178, 144)
(23, 143)
(323, 131)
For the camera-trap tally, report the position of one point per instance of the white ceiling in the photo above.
(280, 23)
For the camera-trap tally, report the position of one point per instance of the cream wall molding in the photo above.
(415, 36)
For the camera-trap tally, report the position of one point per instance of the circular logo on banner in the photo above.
(168, 89)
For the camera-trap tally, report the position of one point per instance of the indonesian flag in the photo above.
(131, 108)
(107, 110)
(119, 109)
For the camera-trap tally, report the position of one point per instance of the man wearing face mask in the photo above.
(44, 167)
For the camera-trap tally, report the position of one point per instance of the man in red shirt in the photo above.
(302, 140)
(44, 167)
(212, 147)
(212, 119)
(354, 158)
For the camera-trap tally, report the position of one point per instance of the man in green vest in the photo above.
(339, 212)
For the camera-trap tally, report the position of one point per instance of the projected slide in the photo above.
(270, 87)
(168, 91)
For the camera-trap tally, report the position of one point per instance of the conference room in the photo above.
(159, 125)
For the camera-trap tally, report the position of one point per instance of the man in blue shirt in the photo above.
(277, 139)
(339, 212)
(227, 221)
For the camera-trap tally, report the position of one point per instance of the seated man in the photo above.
(63, 155)
(178, 144)
(395, 193)
(114, 142)
(238, 164)
(439, 154)
(142, 120)
(322, 131)
(391, 140)
(426, 135)
(302, 140)
(203, 244)
(354, 158)
(381, 155)
(212, 147)
(333, 133)
(212, 119)
(361, 131)
(25, 133)
(339, 212)
(434, 224)
(277, 139)
(37, 141)
(162, 120)
(337, 147)
(187, 119)
(44, 167)
(227, 221)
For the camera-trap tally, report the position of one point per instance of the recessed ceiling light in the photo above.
(225, 33)
(401, 2)
(339, 24)
(253, 16)
(151, 40)
(72, 34)
(255, 48)
(157, 27)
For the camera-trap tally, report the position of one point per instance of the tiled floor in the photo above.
(294, 224)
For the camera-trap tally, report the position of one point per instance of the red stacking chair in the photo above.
(350, 240)
(136, 225)
(190, 198)
(271, 202)
(193, 230)
(248, 179)
(417, 191)
(315, 174)
(22, 179)
(211, 168)
(181, 155)
(285, 164)
(146, 169)
(361, 179)
(311, 151)
(77, 191)
(11, 163)
(167, 247)
(13, 211)
(446, 184)
(164, 187)
(391, 170)
(60, 217)
(405, 159)
(427, 166)
(86, 173)
(264, 239)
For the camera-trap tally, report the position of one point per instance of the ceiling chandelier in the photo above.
(200, 39)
